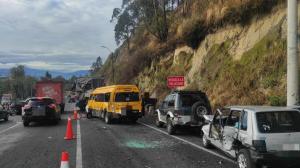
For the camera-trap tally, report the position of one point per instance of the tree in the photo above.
(48, 75)
(152, 14)
(96, 66)
(17, 75)
(17, 72)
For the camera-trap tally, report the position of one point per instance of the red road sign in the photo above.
(175, 81)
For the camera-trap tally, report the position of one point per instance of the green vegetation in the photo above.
(257, 77)
(251, 80)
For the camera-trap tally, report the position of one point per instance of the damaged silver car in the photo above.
(256, 136)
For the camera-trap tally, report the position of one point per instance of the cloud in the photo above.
(51, 31)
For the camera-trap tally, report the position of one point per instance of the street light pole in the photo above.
(292, 54)
(112, 63)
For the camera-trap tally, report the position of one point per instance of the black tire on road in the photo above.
(198, 110)
(6, 118)
(170, 127)
(108, 118)
(158, 123)
(26, 123)
(133, 120)
(244, 159)
(89, 115)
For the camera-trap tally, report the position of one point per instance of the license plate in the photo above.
(291, 147)
(39, 111)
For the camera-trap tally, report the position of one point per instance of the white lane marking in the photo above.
(17, 124)
(78, 147)
(190, 143)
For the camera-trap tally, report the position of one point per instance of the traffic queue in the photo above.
(254, 136)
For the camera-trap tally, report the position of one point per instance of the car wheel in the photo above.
(244, 159)
(157, 122)
(26, 123)
(170, 127)
(133, 120)
(107, 118)
(205, 141)
(6, 118)
(89, 115)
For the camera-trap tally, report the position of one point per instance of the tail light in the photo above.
(53, 106)
(260, 145)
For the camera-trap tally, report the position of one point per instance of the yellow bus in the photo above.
(115, 102)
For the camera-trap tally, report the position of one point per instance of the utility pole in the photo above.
(292, 54)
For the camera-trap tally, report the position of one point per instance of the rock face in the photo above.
(235, 65)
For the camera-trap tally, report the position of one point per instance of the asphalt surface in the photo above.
(103, 146)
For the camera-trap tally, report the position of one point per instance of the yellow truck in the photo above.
(115, 102)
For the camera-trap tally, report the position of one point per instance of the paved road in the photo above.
(119, 145)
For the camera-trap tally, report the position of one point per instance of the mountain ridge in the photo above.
(40, 73)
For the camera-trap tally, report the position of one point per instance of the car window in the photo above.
(233, 118)
(244, 121)
(278, 122)
(171, 102)
(187, 100)
(106, 97)
(99, 98)
(127, 97)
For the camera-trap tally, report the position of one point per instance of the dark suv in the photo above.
(40, 109)
(183, 108)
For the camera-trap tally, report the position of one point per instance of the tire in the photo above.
(108, 118)
(244, 159)
(89, 115)
(158, 123)
(55, 122)
(26, 123)
(170, 127)
(206, 143)
(6, 118)
(198, 110)
(133, 120)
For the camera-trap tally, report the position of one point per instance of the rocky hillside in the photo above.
(233, 50)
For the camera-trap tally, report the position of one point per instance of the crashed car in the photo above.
(256, 136)
(182, 108)
(39, 109)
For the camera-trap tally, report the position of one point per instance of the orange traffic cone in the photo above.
(69, 134)
(64, 160)
(75, 116)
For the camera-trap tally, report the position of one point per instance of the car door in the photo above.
(171, 104)
(230, 131)
(163, 109)
(215, 129)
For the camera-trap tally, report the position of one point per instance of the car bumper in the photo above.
(277, 159)
(131, 114)
(29, 117)
(184, 121)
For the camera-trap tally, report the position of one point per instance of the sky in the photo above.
(60, 35)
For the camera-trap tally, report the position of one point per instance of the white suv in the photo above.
(255, 135)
